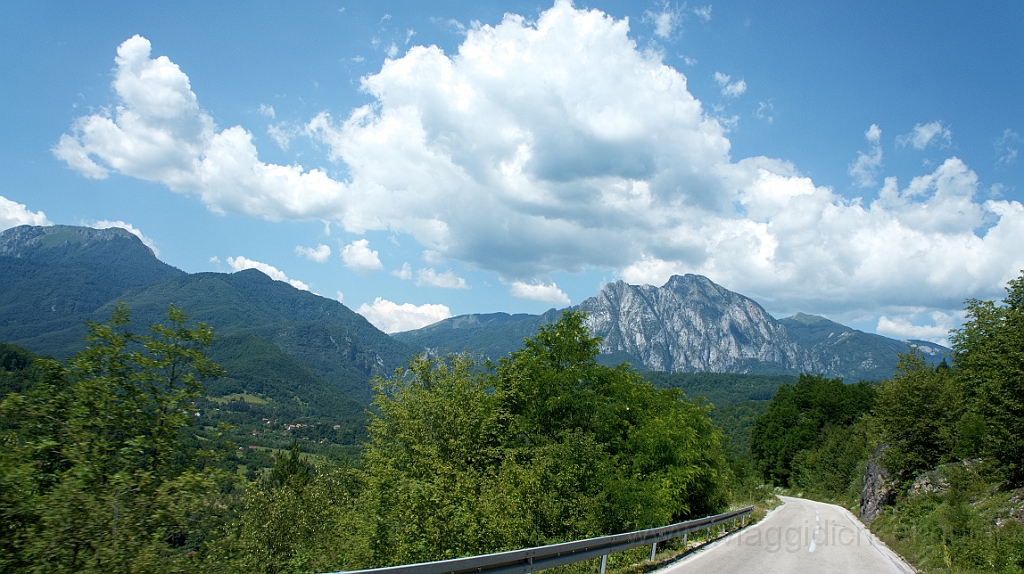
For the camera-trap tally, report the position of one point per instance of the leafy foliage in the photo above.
(547, 446)
(105, 469)
(916, 415)
(94, 478)
(989, 356)
(797, 418)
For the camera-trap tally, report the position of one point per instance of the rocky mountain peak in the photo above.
(690, 323)
(26, 240)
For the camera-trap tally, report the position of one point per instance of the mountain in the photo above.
(491, 335)
(690, 324)
(840, 349)
(55, 278)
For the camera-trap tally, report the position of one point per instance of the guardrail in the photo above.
(530, 560)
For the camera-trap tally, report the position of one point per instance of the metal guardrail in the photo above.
(530, 560)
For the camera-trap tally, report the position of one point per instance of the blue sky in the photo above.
(858, 161)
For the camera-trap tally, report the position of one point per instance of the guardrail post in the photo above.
(685, 536)
(654, 550)
(529, 565)
(604, 562)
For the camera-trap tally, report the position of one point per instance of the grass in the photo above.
(244, 397)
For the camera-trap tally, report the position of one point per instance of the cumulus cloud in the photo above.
(924, 134)
(904, 327)
(703, 12)
(865, 169)
(360, 258)
(321, 253)
(557, 145)
(392, 317)
(549, 292)
(268, 111)
(106, 224)
(158, 132)
(13, 214)
(730, 88)
(447, 280)
(803, 246)
(241, 263)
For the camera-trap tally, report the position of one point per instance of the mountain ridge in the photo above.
(691, 324)
(321, 334)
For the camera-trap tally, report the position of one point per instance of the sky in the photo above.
(417, 160)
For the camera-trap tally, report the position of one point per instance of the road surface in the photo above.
(799, 536)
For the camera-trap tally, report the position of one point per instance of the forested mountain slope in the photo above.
(56, 278)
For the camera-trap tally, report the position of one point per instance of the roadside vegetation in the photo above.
(105, 466)
(948, 440)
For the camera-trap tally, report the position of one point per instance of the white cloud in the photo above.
(730, 88)
(804, 247)
(321, 253)
(904, 327)
(549, 293)
(703, 12)
(764, 112)
(865, 169)
(360, 258)
(924, 134)
(557, 145)
(13, 214)
(447, 280)
(432, 257)
(282, 134)
(339, 297)
(157, 132)
(665, 21)
(392, 317)
(241, 263)
(268, 111)
(1006, 150)
(405, 273)
(106, 224)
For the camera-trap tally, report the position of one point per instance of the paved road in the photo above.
(800, 536)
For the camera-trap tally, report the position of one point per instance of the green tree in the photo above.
(988, 352)
(311, 521)
(545, 446)
(660, 457)
(95, 460)
(915, 415)
(798, 415)
(432, 448)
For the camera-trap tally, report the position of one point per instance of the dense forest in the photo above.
(105, 469)
(118, 460)
(946, 443)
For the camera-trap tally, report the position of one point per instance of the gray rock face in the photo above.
(878, 488)
(691, 324)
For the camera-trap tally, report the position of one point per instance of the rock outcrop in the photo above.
(690, 324)
(878, 488)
